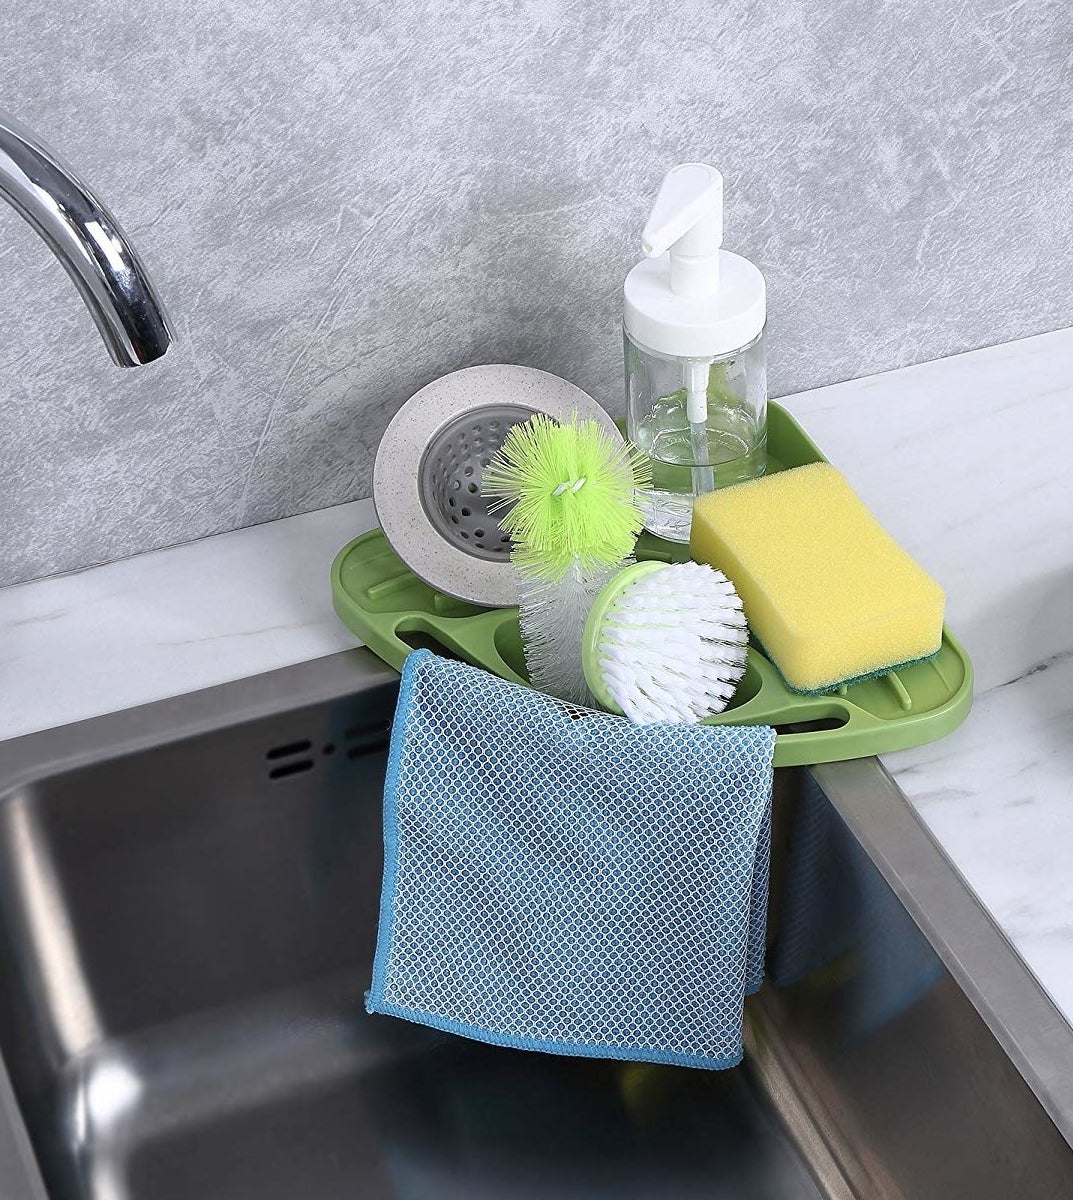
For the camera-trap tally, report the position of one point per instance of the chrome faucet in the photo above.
(87, 239)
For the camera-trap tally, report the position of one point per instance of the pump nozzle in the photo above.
(687, 220)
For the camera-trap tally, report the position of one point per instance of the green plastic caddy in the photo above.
(393, 612)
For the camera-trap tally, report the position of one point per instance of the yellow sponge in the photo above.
(827, 591)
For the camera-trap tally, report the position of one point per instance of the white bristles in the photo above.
(552, 619)
(672, 647)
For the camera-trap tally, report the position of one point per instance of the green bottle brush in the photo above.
(566, 495)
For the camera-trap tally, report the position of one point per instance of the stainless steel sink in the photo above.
(187, 903)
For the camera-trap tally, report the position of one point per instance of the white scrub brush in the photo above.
(570, 491)
(666, 642)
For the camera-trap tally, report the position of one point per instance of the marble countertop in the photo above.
(964, 461)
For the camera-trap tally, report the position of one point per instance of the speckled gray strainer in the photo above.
(427, 477)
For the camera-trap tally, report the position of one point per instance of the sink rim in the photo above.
(1007, 995)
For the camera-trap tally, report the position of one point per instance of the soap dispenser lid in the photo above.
(690, 298)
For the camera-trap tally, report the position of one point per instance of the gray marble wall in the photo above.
(341, 201)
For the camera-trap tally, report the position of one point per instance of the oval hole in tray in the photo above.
(750, 685)
(508, 643)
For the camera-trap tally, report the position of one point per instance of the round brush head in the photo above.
(570, 491)
(666, 642)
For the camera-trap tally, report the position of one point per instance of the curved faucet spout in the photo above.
(87, 239)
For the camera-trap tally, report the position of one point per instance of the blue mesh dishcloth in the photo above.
(563, 880)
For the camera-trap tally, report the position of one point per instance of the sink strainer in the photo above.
(450, 478)
(427, 477)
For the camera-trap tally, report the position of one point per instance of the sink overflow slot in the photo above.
(294, 768)
(289, 749)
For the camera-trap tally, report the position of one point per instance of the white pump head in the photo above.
(687, 221)
(691, 298)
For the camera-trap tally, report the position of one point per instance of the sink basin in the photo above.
(188, 894)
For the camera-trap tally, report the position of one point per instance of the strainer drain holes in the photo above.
(449, 479)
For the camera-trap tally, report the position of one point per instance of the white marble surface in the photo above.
(964, 460)
(172, 621)
(967, 462)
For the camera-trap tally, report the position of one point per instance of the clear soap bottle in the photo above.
(696, 374)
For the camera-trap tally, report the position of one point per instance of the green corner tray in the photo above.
(393, 612)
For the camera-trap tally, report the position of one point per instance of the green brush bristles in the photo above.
(571, 489)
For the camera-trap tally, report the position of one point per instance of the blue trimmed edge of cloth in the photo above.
(408, 747)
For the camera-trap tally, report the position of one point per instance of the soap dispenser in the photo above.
(696, 375)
